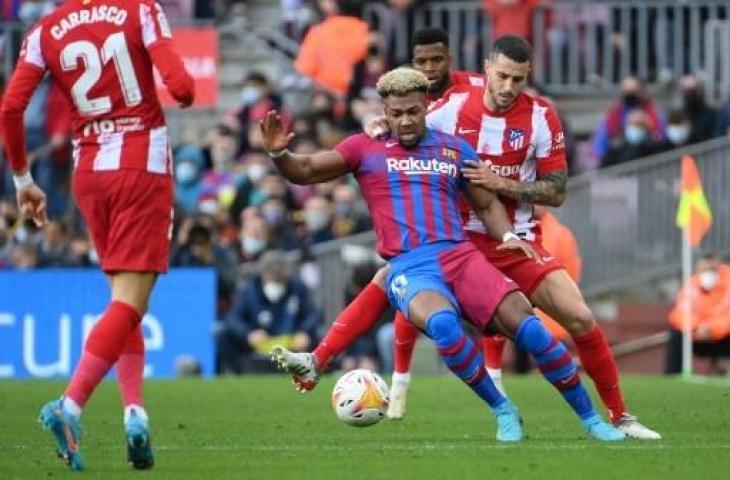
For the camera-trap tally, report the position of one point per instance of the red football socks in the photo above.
(354, 321)
(103, 347)
(130, 368)
(493, 351)
(598, 362)
(404, 342)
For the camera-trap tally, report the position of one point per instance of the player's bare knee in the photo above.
(133, 288)
(380, 276)
(580, 322)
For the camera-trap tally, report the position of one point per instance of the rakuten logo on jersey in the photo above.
(503, 170)
(417, 166)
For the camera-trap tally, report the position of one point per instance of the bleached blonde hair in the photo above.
(401, 82)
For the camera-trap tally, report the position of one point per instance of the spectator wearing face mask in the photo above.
(702, 118)
(283, 233)
(318, 220)
(349, 218)
(220, 184)
(256, 98)
(613, 125)
(253, 240)
(189, 164)
(678, 131)
(706, 297)
(200, 251)
(256, 165)
(635, 142)
(271, 308)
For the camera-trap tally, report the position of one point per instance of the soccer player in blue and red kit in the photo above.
(410, 180)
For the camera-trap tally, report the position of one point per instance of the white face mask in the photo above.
(677, 134)
(708, 280)
(274, 291)
(256, 172)
(252, 246)
(316, 220)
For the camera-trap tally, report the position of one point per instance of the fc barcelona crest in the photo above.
(449, 154)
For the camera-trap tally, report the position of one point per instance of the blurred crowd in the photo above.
(232, 208)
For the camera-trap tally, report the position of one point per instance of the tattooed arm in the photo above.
(548, 189)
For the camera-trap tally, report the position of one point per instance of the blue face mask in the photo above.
(634, 135)
(273, 216)
(250, 95)
(30, 12)
(186, 172)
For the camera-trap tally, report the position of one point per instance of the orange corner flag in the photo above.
(693, 211)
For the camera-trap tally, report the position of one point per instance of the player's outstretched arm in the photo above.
(31, 199)
(492, 213)
(299, 169)
(548, 189)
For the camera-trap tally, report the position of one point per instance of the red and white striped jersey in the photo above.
(99, 53)
(522, 143)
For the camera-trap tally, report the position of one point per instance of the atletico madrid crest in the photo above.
(516, 138)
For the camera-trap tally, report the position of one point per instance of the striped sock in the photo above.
(462, 356)
(556, 364)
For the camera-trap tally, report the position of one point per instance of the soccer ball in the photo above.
(360, 398)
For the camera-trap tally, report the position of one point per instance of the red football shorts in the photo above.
(129, 216)
(527, 273)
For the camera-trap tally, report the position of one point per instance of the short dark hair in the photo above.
(350, 8)
(513, 47)
(676, 116)
(428, 36)
(709, 256)
(257, 77)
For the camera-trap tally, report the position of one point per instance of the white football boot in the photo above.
(398, 395)
(630, 425)
(302, 367)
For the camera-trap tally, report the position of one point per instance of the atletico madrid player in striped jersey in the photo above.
(101, 53)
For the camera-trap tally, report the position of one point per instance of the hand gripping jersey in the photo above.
(521, 144)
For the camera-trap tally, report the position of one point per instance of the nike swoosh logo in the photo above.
(391, 144)
(548, 259)
(466, 131)
(73, 446)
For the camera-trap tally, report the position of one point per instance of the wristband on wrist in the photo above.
(509, 236)
(23, 180)
(279, 153)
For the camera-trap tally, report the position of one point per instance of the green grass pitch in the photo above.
(259, 428)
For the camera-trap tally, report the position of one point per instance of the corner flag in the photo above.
(693, 211)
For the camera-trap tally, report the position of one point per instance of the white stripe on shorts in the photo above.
(157, 154)
(110, 151)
